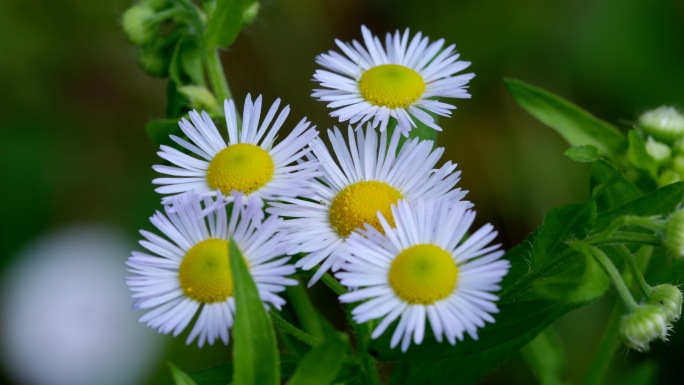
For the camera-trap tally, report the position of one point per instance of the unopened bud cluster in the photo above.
(664, 131)
(642, 326)
(673, 237)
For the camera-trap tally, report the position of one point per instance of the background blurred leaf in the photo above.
(255, 354)
(224, 24)
(611, 188)
(576, 125)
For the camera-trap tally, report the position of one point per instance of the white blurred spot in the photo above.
(66, 313)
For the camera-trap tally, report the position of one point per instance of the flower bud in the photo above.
(155, 61)
(674, 234)
(138, 23)
(660, 152)
(669, 299)
(200, 98)
(643, 325)
(664, 123)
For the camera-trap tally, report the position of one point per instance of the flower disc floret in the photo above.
(359, 203)
(240, 167)
(204, 273)
(391, 85)
(423, 274)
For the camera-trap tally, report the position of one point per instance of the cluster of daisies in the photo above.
(374, 209)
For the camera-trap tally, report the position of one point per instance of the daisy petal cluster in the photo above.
(401, 80)
(424, 269)
(249, 161)
(185, 273)
(371, 173)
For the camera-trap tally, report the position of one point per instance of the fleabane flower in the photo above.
(186, 272)
(370, 177)
(399, 80)
(426, 270)
(249, 162)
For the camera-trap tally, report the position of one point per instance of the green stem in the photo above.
(614, 275)
(621, 237)
(368, 365)
(636, 272)
(305, 311)
(292, 330)
(609, 345)
(545, 356)
(217, 77)
(333, 284)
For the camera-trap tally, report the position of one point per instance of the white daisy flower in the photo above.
(187, 274)
(424, 270)
(249, 162)
(400, 80)
(370, 178)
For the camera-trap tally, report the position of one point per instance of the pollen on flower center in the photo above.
(205, 274)
(423, 274)
(391, 85)
(359, 203)
(243, 167)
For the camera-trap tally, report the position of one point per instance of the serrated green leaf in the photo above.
(574, 124)
(180, 377)
(255, 353)
(321, 365)
(160, 130)
(583, 154)
(639, 156)
(224, 24)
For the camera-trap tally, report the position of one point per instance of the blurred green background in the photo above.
(73, 105)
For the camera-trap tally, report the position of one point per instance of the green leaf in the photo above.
(576, 125)
(660, 202)
(159, 130)
(582, 282)
(545, 355)
(611, 187)
(582, 154)
(224, 24)
(176, 103)
(187, 66)
(639, 156)
(255, 353)
(180, 377)
(321, 365)
(644, 373)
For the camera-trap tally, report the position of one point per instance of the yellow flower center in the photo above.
(423, 274)
(242, 167)
(205, 274)
(391, 85)
(359, 203)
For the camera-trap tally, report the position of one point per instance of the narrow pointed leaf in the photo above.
(576, 125)
(255, 354)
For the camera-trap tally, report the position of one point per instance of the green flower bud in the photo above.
(139, 25)
(659, 151)
(645, 324)
(664, 123)
(674, 234)
(200, 98)
(669, 299)
(155, 61)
